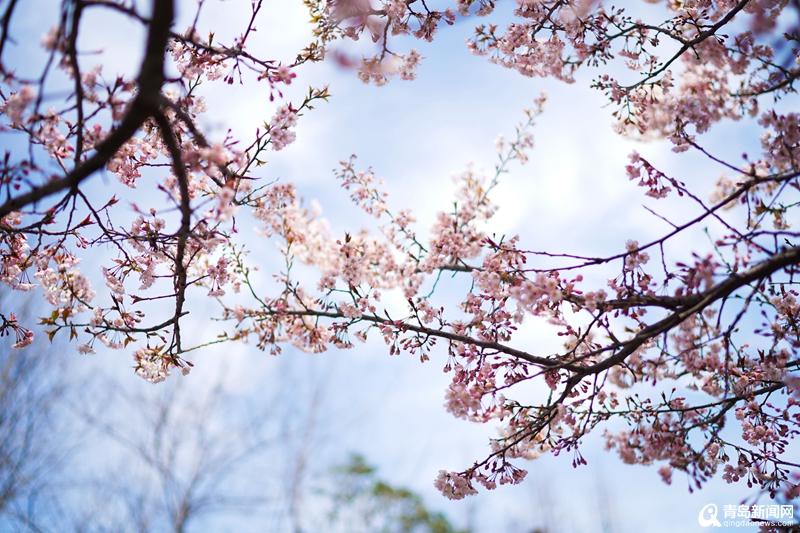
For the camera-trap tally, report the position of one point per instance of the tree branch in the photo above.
(150, 80)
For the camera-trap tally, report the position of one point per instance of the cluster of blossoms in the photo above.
(379, 71)
(350, 19)
(14, 255)
(154, 367)
(456, 486)
(453, 486)
(280, 134)
(64, 286)
(219, 276)
(463, 398)
(648, 177)
(16, 104)
(23, 336)
(193, 60)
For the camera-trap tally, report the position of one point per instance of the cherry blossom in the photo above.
(696, 349)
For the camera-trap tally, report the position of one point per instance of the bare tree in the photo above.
(179, 457)
(33, 440)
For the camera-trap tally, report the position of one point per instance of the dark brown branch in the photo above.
(72, 52)
(744, 187)
(690, 44)
(783, 259)
(6, 21)
(454, 337)
(186, 219)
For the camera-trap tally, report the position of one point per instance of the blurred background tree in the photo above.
(364, 503)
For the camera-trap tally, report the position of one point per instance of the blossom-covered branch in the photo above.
(674, 347)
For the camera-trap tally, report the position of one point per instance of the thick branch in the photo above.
(783, 259)
(5, 22)
(186, 217)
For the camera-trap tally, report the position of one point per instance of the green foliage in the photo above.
(365, 503)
